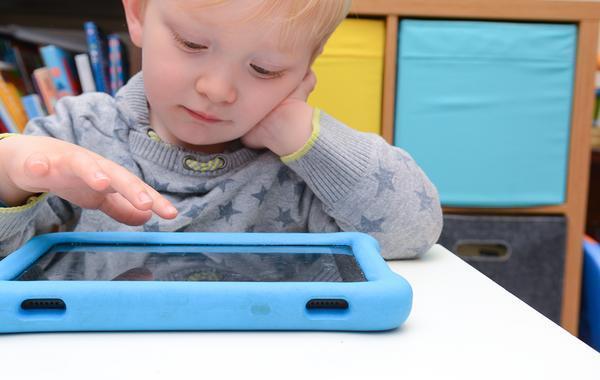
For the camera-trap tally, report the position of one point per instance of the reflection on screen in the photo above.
(195, 263)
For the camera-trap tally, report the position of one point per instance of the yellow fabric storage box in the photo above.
(350, 74)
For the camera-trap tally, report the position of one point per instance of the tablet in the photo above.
(141, 281)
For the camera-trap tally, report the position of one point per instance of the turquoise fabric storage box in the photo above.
(485, 108)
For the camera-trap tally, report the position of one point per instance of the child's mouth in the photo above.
(202, 116)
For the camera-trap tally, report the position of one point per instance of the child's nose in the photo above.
(216, 88)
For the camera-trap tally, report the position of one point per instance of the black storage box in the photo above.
(523, 254)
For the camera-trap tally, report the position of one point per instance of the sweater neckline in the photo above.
(173, 157)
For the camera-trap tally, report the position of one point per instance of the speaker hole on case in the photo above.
(33, 304)
(327, 304)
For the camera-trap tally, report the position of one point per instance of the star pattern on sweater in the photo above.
(299, 189)
(224, 183)
(194, 211)
(368, 225)
(402, 158)
(158, 186)
(386, 180)
(198, 189)
(284, 217)
(185, 228)
(426, 200)
(261, 195)
(283, 175)
(227, 211)
(151, 227)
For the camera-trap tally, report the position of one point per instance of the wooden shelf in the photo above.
(563, 11)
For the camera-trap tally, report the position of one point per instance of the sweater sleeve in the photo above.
(364, 184)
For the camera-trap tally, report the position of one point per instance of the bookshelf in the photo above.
(69, 16)
(108, 14)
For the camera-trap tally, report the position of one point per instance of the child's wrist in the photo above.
(293, 131)
(10, 194)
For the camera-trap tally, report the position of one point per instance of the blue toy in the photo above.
(589, 326)
(109, 281)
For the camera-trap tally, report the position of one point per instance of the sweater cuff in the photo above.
(336, 161)
(5, 135)
(7, 213)
(14, 218)
(316, 129)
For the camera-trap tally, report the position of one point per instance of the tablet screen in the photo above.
(81, 262)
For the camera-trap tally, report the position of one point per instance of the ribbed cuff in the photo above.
(338, 159)
(316, 130)
(13, 219)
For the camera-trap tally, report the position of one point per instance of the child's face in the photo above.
(210, 74)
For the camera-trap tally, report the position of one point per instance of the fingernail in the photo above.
(171, 210)
(144, 197)
(38, 163)
(100, 175)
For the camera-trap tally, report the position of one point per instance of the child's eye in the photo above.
(187, 44)
(265, 72)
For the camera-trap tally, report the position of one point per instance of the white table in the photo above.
(463, 326)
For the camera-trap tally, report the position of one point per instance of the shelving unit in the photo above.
(585, 15)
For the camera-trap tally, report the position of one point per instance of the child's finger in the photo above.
(121, 210)
(161, 205)
(128, 185)
(310, 80)
(87, 169)
(305, 87)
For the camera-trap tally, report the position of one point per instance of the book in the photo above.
(97, 48)
(11, 99)
(117, 63)
(33, 106)
(8, 66)
(3, 128)
(62, 70)
(27, 59)
(7, 121)
(43, 81)
(84, 71)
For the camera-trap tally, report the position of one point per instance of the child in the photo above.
(214, 134)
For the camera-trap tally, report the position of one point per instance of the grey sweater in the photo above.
(347, 181)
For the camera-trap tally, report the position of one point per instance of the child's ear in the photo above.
(134, 13)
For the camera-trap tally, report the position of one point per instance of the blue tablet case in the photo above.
(382, 300)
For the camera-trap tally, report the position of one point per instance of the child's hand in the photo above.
(288, 127)
(35, 164)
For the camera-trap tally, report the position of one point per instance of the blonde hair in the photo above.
(300, 20)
